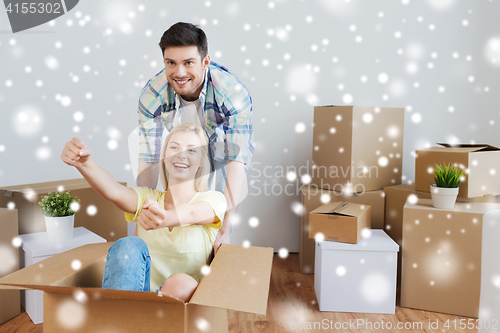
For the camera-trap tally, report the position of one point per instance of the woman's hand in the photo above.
(152, 216)
(75, 153)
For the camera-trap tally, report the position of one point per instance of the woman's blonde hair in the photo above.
(201, 176)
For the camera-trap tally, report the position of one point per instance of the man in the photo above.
(193, 89)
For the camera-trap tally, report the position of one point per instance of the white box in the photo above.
(357, 277)
(37, 247)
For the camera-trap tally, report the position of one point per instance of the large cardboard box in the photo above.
(480, 161)
(442, 257)
(10, 305)
(357, 277)
(75, 302)
(395, 199)
(311, 199)
(357, 147)
(104, 218)
(340, 222)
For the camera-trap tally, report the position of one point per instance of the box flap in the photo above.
(462, 207)
(330, 208)
(449, 150)
(42, 188)
(378, 240)
(341, 208)
(239, 279)
(98, 293)
(59, 267)
(471, 146)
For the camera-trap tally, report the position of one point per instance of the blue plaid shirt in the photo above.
(226, 109)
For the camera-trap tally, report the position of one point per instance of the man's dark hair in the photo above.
(185, 34)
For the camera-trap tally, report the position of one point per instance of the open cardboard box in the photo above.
(74, 300)
(340, 221)
(480, 161)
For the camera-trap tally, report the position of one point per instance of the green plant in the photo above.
(448, 176)
(57, 204)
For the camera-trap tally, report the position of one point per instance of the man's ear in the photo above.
(206, 61)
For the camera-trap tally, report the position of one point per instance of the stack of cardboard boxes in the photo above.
(356, 152)
(441, 248)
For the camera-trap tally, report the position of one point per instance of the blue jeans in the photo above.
(128, 265)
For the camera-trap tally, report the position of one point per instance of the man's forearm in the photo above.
(232, 190)
(148, 174)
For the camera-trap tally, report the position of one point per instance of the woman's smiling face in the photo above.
(183, 156)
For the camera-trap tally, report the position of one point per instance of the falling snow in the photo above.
(289, 65)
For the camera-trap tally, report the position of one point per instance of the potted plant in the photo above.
(444, 193)
(59, 210)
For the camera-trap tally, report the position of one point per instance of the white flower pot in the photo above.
(443, 198)
(60, 229)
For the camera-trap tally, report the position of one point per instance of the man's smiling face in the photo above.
(184, 69)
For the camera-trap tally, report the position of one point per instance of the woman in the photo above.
(176, 228)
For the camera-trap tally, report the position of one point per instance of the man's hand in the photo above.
(75, 153)
(152, 216)
(221, 238)
(224, 234)
(148, 174)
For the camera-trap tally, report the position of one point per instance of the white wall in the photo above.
(290, 54)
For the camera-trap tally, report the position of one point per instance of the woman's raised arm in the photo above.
(76, 154)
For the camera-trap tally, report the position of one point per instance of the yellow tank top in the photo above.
(185, 249)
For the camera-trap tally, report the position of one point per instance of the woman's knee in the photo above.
(180, 285)
(129, 241)
(130, 247)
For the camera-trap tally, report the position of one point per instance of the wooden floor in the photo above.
(292, 302)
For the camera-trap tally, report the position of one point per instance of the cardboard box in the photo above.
(10, 305)
(489, 304)
(357, 277)
(480, 161)
(357, 147)
(340, 221)
(311, 199)
(108, 221)
(395, 199)
(74, 300)
(442, 257)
